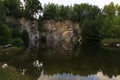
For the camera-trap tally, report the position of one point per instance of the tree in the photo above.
(118, 8)
(110, 9)
(5, 33)
(110, 28)
(2, 11)
(12, 8)
(50, 11)
(32, 7)
(64, 12)
(114, 31)
(90, 30)
(17, 42)
(57, 12)
(84, 11)
(107, 22)
(89, 18)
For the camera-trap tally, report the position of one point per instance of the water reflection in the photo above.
(53, 42)
(98, 76)
(82, 60)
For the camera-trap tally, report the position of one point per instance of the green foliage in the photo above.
(25, 38)
(12, 8)
(2, 11)
(11, 74)
(116, 20)
(13, 22)
(84, 11)
(11, 50)
(114, 31)
(50, 11)
(90, 19)
(79, 12)
(15, 9)
(107, 22)
(90, 30)
(96, 24)
(56, 12)
(32, 7)
(5, 33)
(64, 12)
(111, 9)
(118, 10)
(110, 28)
(110, 41)
(14, 26)
(17, 42)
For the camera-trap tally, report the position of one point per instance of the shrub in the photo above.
(25, 38)
(5, 33)
(110, 41)
(17, 42)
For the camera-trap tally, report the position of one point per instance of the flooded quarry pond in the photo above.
(85, 62)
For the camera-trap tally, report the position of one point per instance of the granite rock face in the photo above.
(32, 28)
(61, 33)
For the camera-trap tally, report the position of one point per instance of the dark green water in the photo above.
(83, 60)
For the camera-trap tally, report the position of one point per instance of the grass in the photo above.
(110, 44)
(11, 50)
(11, 73)
(110, 41)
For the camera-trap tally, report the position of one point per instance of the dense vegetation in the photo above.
(96, 24)
(10, 12)
(11, 74)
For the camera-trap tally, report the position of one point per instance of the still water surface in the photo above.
(85, 62)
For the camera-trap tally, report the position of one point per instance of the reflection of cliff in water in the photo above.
(60, 50)
(88, 58)
(82, 60)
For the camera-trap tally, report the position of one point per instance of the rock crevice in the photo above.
(65, 32)
(32, 28)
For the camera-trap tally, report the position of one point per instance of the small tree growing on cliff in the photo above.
(32, 7)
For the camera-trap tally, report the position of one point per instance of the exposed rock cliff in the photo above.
(65, 32)
(59, 34)
(32, 28)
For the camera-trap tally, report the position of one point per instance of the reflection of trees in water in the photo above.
(64, 76)
(82, 60)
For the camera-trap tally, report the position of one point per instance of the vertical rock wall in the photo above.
(63, 33)
(32, 28)
(59, 33)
